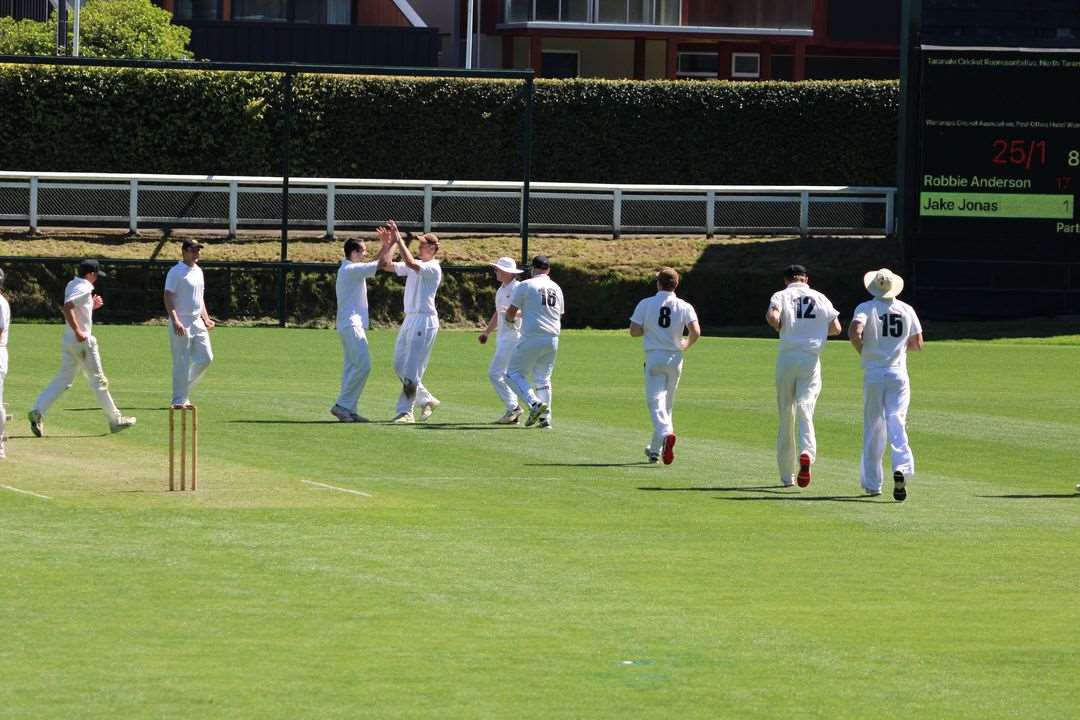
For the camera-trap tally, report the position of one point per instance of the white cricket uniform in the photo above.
(805, 316)
(540, 304)
(507, 335)
(5, 325)
(352, 324)
(887, 327)
(664, 318)
(416, 337)
(75, 355)
(191, 353)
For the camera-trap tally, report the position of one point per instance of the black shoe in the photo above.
(899, 492)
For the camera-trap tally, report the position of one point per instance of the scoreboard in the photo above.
(998, 153)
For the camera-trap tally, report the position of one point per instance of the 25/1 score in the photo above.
(1025, 153)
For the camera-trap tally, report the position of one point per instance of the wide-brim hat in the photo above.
(506, 265)
(883, 283)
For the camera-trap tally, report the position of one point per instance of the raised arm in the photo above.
(406, 256)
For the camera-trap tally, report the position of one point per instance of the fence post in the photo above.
(234, 191)
(427, 208)
(804, 214)
(330, 211)
(616, 213)
(133, 208)
(33, 205)
(890, 212)
(710, 213)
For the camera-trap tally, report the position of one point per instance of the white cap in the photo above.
(506, 265)
(883, 283)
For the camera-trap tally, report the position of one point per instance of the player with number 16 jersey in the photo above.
(540, 302)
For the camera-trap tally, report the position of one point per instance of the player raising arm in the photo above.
(882, 331)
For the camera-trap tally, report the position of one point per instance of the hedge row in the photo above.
(201, 122)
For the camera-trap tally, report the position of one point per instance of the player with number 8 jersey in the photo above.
(661, 320)
(882, 331)
(540, 302)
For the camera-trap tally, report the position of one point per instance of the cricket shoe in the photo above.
(3, 446)
(428, 409)
(37, 423)
(343, 415)
(121, 423)
(804, 470)
(544, 424)
(535, 411)
(871, 493)
(405, 418)
(668, 453)
(510, 417)
(899, 488)
(652, 456)
(788, 481)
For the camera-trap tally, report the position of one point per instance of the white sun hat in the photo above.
(883, 283)
(506, 265)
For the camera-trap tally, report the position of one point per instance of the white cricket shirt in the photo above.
(80, 293)
(887, 326)
(540, 301)
(502, 303)
(420, 286)
(805, 316)
(663, 317)
(351, 286)
(186, 284)
(5, 321)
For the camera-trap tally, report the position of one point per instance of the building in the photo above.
(656, 39)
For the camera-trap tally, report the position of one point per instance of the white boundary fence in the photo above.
(330, 204)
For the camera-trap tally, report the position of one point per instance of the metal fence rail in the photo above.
(331, 204)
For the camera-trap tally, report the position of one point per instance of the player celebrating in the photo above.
(662, 319)
(189, 322)
(804, 318)
(5, 323)
(352, 322)
(506, 271)
(412, 351)
(540, 302)
(882, 331)
(80, 352)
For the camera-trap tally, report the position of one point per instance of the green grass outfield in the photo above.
(491, 572)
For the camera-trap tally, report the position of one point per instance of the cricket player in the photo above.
(662, 320)
(882, 331)
(540, 302)
(79, 351)
(352, 323)
(804, 318)
(189, 323)
(5, 323)
(508, 334)
(416, 337)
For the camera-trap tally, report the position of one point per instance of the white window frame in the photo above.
(594, 12)
(681, 73)
(575, 53)
(736, 74)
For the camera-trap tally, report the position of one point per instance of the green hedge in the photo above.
(200, 122)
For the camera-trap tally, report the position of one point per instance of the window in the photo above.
(559, 63)
(262, 10)
(699, 64)
(745, 65)
(621, 12)
(196, 10)
(319, 12)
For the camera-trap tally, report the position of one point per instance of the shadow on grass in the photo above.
(295, 422)
(161, 408)
(55, 436)
(733, 488)
(1046, 496)
(462, 426)
(791, 497)
(592, 465)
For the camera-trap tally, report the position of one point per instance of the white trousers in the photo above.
(798, 384)
(530, 368)
(500, 362)
(357, 366)
(191, 356)
(886, 396)
(412, 352)
(3, 375)
(662, 372)
(76, 356)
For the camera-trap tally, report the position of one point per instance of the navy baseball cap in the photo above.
(190, 244)
(792, 271)
(89, 266)
(540, 262)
